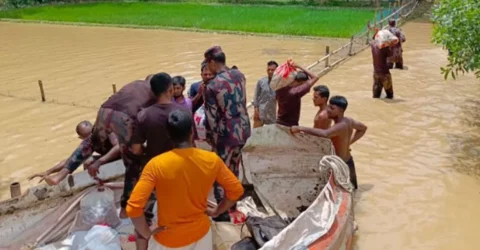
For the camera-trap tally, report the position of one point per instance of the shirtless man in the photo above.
(320, 99)
(341, 133)
(107, 153)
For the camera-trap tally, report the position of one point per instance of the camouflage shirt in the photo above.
(228, 123)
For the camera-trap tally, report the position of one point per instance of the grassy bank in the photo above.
(257, 19)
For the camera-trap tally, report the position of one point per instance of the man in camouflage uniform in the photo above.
(228, 124)
(397, 51)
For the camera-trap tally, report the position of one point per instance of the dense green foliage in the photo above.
(257, 19)
(457, 27)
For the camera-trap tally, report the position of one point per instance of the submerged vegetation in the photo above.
(285, 20)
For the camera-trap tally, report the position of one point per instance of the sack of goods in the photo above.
(384, 38)
(200, 121)
(283, 76)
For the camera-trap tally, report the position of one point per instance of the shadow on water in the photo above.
(465, 145)
(395, 100)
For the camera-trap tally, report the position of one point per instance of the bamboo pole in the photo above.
(15, 190)
(42, 92)
(327, 52)
(114, 88)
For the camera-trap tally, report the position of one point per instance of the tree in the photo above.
(457, 28)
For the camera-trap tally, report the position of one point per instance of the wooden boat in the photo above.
(284, 170)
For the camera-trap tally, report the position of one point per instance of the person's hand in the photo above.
(41, 175)
(295, 129)
(88, 163)
(93, 169)
(158, 230)
(256, 114)
(293, 64)
(212, 211)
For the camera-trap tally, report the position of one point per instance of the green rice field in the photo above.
(284, 20)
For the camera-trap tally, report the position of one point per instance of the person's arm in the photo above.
(55, 169)
(333, 131)
(255, 103)
(313, 78)
(360, 130)
(211, 113)
(197, 99)
(112, 154)
(192, 92)
(139, 197)
(81, 154)
(232, 186)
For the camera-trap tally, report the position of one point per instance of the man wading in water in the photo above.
(321, 94)
(382, 79)
(228, 124)
(341, 133)
(264, 99)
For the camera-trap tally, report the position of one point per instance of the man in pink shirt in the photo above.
(178, 88)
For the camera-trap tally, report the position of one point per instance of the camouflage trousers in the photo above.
(123, 126)
(232, 157)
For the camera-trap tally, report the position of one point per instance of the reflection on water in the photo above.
(418, 165)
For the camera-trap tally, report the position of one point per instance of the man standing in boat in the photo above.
(228, 124)
(182, 179)
(343, 133)
(289, 98)
(108, 151)
(264, 100)
(321, 94)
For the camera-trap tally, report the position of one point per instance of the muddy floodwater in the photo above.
(418, 165)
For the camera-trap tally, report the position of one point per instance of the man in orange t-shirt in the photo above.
(182, 179)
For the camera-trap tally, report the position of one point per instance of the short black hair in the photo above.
(179, 126)
(235, 67)
(219, 57)
(204, 65)
(339, 101)
(322, 90)
(301, 76)
(178, 80)
(160, 83)
(270, 63)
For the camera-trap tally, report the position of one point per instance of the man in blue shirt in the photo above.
(196, 90)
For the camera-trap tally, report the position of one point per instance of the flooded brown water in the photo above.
(418, 166)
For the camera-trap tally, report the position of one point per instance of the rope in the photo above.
(340, 171)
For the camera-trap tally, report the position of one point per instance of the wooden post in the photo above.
(42, 93)
(114, 87)
(15, 190)
(368, 32)
(327, 51)
(351, 46)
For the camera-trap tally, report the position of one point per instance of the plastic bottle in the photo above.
(98, 208)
